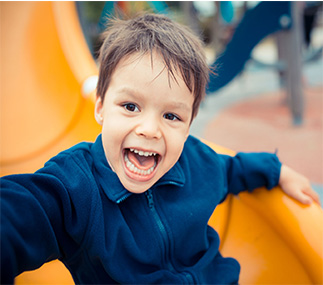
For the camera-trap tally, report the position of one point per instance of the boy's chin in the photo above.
(137, 188)
(134, 186)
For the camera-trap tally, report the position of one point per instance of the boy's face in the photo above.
(145, 120)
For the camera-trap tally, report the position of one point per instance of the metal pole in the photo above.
(294, 64)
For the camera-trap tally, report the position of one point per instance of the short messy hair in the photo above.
(181, 50)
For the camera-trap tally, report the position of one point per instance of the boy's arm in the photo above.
(297, 186)
(28, 238)
(45, 215)
(248, 171)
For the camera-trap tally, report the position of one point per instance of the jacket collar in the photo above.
(110, 182)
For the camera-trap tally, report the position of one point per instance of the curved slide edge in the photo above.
(74, 45)
(52, 107)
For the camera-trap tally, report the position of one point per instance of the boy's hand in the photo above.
(297, 186)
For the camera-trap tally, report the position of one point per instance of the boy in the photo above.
(133, 207)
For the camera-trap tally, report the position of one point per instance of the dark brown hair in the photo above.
(180, 49)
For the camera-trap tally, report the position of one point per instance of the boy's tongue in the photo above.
(141, 162)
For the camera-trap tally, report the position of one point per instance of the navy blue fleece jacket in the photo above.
(75, 209)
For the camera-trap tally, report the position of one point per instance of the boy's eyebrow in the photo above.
(129, 91)
(181, 106)
(134, 93)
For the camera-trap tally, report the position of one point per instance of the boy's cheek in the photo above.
(114, 124)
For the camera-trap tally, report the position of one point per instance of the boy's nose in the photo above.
(149, 128)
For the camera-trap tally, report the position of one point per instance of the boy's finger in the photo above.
(302, 197)
(305, 199)
(313, 194)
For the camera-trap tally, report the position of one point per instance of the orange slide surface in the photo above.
(46, 107)
(44, 64)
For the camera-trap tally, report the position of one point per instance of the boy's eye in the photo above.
(131, 107)
(171, 117)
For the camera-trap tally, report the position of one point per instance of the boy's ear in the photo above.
(98, 110)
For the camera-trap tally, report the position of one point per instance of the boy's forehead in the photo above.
(151, 63)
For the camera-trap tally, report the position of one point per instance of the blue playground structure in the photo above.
(264, 19)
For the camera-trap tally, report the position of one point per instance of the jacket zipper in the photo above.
(164, 234)
(161, 227)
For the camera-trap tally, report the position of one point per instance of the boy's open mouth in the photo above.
(140, 164)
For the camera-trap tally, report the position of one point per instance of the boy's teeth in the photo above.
(142, 153)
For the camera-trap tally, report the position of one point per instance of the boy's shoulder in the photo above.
(193, 144)
(85, 161)
(72, 164)
(77, 154)
(72, 171)
(195, 147)
(199, 154)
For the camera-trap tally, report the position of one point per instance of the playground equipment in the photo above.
(257, 23)
(264, 19)
(46, 107)
(45, 64)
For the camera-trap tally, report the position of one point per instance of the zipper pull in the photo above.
(150, 198)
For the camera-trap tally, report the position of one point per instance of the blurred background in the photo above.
(267, 95)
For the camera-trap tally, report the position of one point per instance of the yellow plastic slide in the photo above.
(46, 106)
(45, 63)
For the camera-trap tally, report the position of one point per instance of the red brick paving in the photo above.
(265, 124)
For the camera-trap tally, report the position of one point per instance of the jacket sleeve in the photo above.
(248, 171)
(31, 209)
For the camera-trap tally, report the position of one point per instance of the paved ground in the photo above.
(249, 115)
